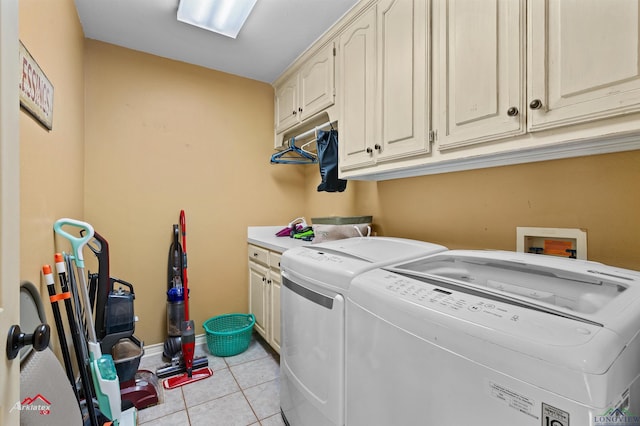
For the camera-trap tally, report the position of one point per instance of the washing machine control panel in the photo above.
(483, 309)
(445, 298)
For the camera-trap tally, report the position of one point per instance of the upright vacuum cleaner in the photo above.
(180, 344)
(115, 324)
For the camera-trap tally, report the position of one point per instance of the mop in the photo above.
(188, 336)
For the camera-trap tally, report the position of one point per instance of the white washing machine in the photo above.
(493, 338)
(315, 283)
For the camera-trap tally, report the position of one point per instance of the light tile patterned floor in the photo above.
(244, 390)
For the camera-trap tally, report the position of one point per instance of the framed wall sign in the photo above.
(36, 91)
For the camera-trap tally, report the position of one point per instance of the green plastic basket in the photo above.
(229, 334)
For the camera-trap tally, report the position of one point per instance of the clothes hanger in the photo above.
(294, 155)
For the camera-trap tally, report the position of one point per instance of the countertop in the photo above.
(265, 236)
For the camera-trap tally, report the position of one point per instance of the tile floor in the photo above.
(244, 390)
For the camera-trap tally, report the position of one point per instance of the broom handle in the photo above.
(185, 280)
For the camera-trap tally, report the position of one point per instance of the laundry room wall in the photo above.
(480, 209)
(51, 161)
(162, 136)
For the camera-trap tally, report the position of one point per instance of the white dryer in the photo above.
(493, 338)
(315, 283)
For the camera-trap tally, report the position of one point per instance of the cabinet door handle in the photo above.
(535, 104)
(255, 254)
(369, 150)
(299, 109)
(269, 282)
(264, 279)
(512, 112)
(377, 147)
(295, 112)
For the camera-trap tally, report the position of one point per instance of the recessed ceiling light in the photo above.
(225, 17)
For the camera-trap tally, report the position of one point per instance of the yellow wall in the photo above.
(162, 136)
(482, 208)
(51, 162)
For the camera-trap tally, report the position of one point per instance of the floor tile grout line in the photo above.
(245, 397)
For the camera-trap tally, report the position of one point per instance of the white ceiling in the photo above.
(275, 34)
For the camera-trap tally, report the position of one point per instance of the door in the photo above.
(583, 61)
(317, 83)
(275, 284)
(312, 353)
(258, 296)
(356, 89)
(403, 64)
(286, 104)
(480, 78)
(9, 206)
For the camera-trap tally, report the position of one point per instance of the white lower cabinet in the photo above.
(264, 293)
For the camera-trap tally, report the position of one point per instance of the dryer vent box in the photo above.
(563, 242)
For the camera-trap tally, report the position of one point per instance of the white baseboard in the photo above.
(157, 348)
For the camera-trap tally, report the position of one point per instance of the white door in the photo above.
(317, 83)
(583, 61)
(479, 82)
(403, 64)
(258, 296)
(356, 92)
(286, 104)
(9, 206)
(274, 309)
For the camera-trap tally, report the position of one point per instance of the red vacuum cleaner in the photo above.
(188, 336)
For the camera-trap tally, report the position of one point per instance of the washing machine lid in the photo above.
(335, 263)
(589, 292)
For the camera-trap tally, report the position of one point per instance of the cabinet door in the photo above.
(480, 80)
(356, 89)
(258, 296)
(403, 64)
(583, 61)
(286, 104)
(317, 83)
(275, 309)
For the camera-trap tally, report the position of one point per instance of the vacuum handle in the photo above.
(115, 281)
(77, 243)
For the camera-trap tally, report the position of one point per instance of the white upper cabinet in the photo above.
(433, 86)
(479, 70)
(583, 61)
(286, 104)
(402, 83)
(317, 83)
(356, 91)
(306, 92)
(383, 90)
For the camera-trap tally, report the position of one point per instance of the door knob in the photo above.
(535, 104)
(16, 339)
